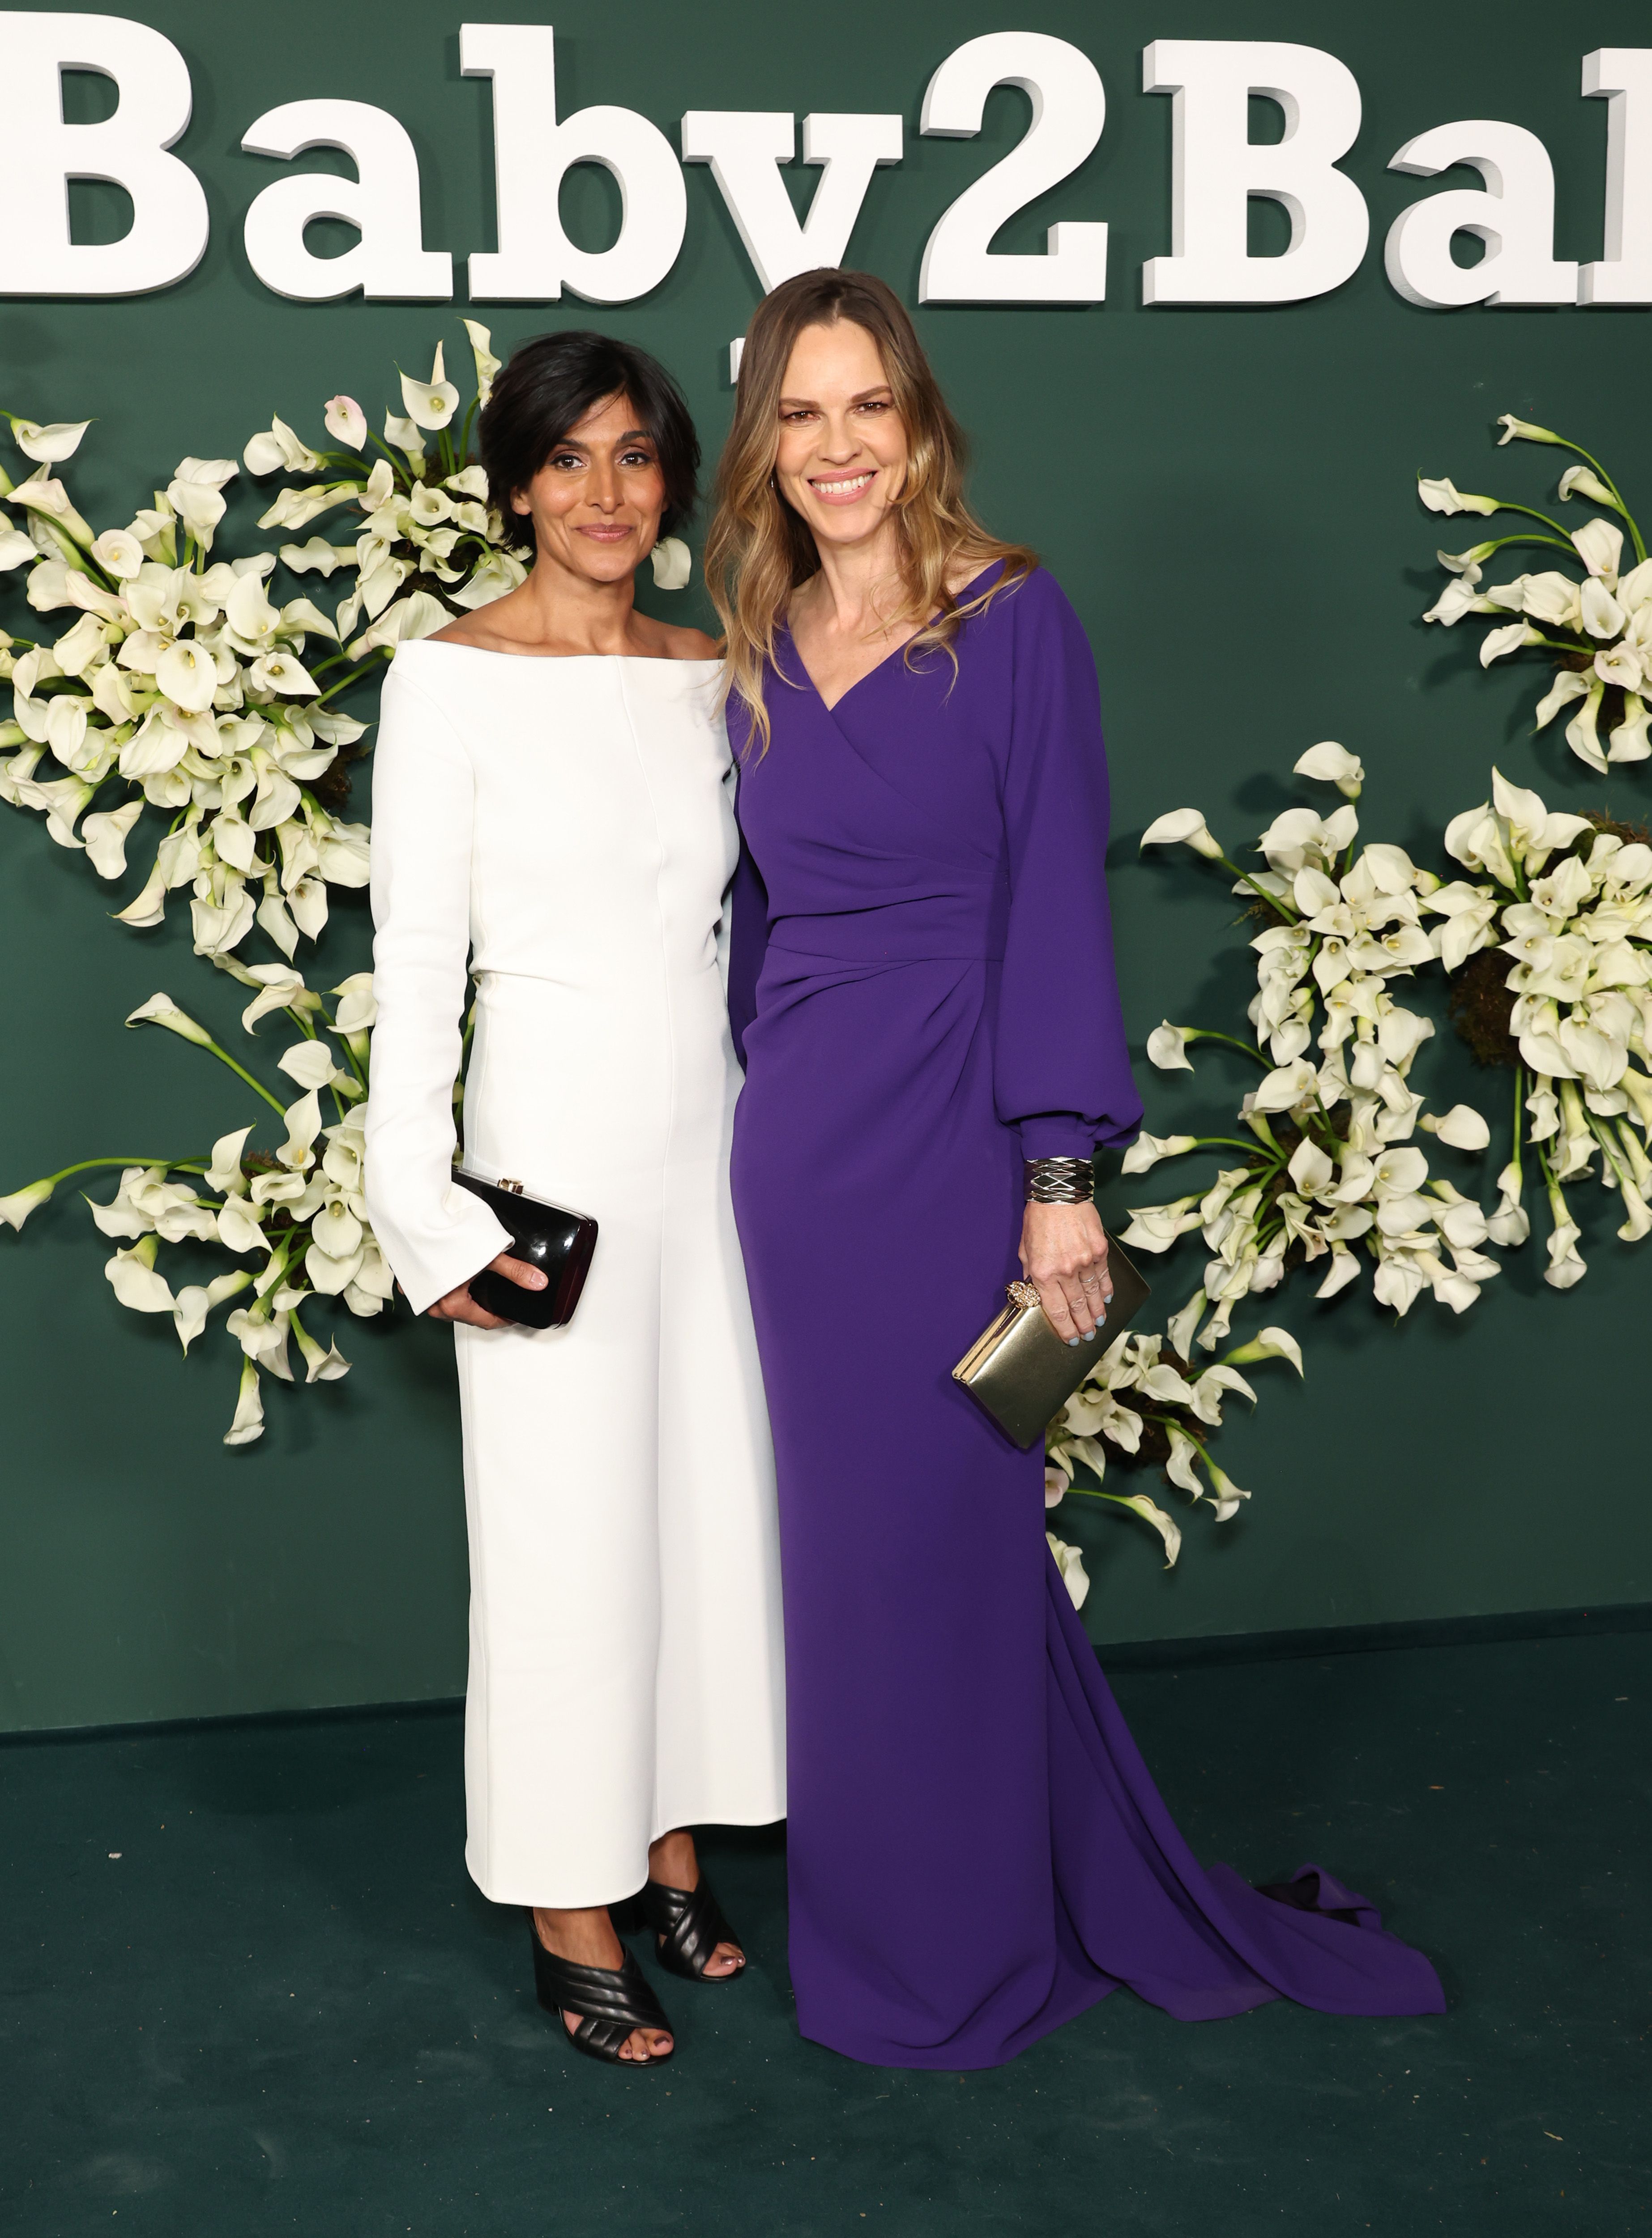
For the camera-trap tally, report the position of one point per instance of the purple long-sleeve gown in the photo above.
(977, 1849)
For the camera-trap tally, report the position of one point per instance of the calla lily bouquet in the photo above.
(295, 1214)
(1142, 1402)
(1550, 938)
(1596, 628)
(181, 685)
(1330, 1174)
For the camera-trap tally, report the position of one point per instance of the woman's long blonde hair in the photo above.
(759, 550)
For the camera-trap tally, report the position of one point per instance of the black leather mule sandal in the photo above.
(612, 2000)
(688, 1925)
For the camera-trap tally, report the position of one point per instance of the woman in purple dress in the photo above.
(923, 980)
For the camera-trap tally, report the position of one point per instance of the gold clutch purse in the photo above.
(1022, 1372)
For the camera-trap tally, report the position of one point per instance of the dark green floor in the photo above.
(282, 2007)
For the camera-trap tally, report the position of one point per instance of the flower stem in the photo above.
(1209, 1034)
(374, 660)
(224, 1057)
(1284, 910)
(1532, 513)
(168, 1165)
(1555, 543)
(1519, 1128)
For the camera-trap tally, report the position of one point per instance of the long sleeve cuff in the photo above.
(1056, 1134)
(430, 1263)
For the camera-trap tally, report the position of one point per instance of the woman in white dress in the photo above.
(551, 800)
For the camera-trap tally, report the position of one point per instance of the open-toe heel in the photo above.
(689, 1923)
(613, 2001)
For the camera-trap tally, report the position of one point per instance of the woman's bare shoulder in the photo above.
(681, 643)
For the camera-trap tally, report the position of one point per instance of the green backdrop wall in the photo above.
(1228, 496)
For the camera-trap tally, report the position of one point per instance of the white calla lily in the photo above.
(161, 1011)
(131, 1275)
(249, 1408)
(1184, 826)
(1332, 764)
(673, 563)
(1147, 1150)
(318, 1367)
(311, 1064)
(344, 419)
(280, 451)
(199, 506)
(1496, 644)
(1462, 1127)
(48, 446)
(358, 1008)
(1167, 1047)
(303, 1125)
(1599, 545)
(431, 404)
(1288, 1087)
(105, 836)
(1444, 496)
(188, 674)
(282, 672)
(16, 1208)
(482, 354)
(1269, 1344)
(191, 1306)
(1583, 481)
(1155, 1226)
(118, 553)
(1070, 1562)
(1602, 614)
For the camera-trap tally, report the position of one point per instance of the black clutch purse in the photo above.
(559, 1243)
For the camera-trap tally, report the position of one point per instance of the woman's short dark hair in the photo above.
(547, 389)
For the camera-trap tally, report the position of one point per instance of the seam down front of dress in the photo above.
(569, 823)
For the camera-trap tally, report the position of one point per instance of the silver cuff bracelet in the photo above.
(1060, 1181)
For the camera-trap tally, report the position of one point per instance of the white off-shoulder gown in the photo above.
(567, 826)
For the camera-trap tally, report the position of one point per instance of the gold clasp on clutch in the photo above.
(1023, 1293)
(515, 1187)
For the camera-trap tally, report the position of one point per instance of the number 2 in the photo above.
(1069, 108)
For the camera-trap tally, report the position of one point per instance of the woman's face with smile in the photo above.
(841, 460)
(596, 502)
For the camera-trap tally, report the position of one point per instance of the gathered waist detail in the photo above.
(904, 935)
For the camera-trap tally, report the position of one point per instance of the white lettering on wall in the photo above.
(390, 261)
(744, 147)
(535, 259)
(1513, 215)
(1069, 108)
(1217, 168)
(39, 154)
(1622, 78)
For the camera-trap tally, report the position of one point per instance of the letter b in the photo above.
(1218, 167)
(39, 154)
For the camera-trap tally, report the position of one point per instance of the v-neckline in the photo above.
(831, 706)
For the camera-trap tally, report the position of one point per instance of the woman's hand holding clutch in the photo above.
(459, 1306)
(1064, 1255)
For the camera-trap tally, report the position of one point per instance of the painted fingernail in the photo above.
(1075, 1340)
